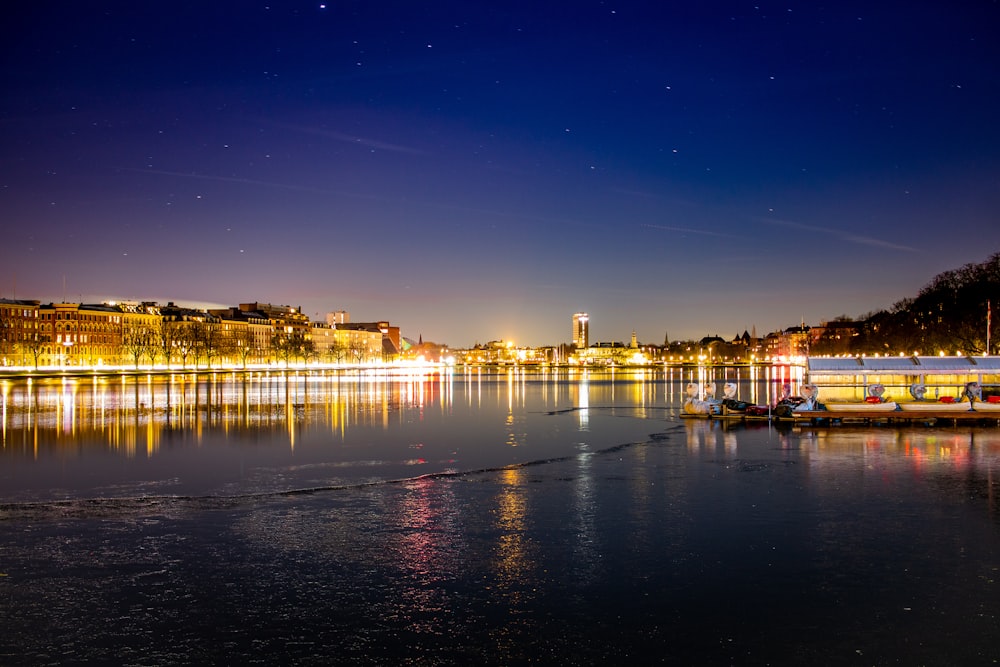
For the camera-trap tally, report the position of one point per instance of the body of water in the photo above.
(482, 517)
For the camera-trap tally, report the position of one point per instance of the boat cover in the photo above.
(818, 366)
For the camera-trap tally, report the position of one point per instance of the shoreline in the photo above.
(21, 373)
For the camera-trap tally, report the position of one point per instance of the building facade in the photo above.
(80, 334)
(581, 331)
(19, 332)
(365, 342)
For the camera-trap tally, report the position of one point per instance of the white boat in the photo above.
(874, 404)
(810, 396)
(862, 407)
(932, 406)
(982, 406)
(697, 406)
(972, 392)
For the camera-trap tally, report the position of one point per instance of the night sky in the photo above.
(475, 171)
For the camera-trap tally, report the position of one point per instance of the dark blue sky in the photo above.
(477, 171)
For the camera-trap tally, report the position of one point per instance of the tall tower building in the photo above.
(581, 330)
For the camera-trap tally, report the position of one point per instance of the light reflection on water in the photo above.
(512, 559)
(132, 412)
(260, 432)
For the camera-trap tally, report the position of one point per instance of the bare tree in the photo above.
(20, 336)
(287, 346)
(166, 339)
(241, 344)
(356, 348)
(139, 340)
(307, 350)
(33, 345)
(337, 352)
(184, 342)
(206, 341)
(281, 346)
(226, 346)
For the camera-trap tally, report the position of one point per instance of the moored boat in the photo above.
(696, 406)
(730, 404)
(931, 406)
(874, 402)
(891, 406)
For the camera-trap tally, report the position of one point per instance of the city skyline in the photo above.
(579, 336)
(480, 173)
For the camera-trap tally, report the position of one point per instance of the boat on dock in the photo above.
(807, 408)
(916, 379)
(968, 407)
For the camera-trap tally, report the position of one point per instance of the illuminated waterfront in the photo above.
(363, 518)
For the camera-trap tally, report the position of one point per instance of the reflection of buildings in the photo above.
(975, 451)
(132, 415)
(583, 403)
(512, 558)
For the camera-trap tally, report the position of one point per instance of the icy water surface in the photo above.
(492, 519)
(234, 435)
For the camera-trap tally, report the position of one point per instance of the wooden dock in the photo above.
(889, 417)
(894, 416)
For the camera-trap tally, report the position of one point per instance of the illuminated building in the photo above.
(794, 341)
(246, 335)
(289, 319)
(389, 342)
(324, 340)
(74, 334)
(18, 331)
(338, 317)
(612, 353)
(187, 334)
(347, 343)
(581, 330)
(140, 332)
